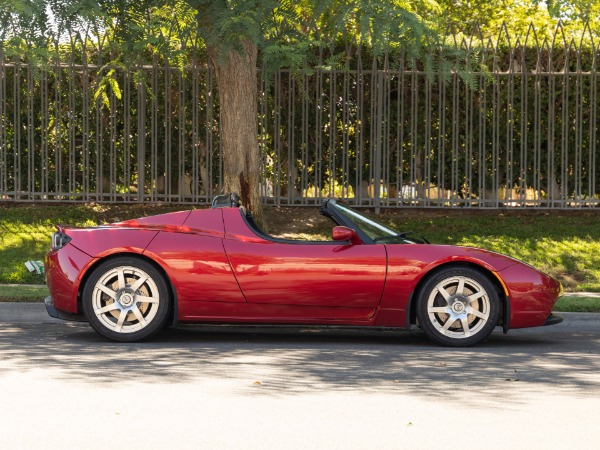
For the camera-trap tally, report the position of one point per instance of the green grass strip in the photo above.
(23, 293)
(577, 304)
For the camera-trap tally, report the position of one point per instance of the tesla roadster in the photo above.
(131, 279)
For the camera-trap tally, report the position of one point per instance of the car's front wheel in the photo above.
(458, 307)
(126, 299)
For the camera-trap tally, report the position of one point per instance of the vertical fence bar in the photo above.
(400, 176)
(510, 129)
(564, 142)
(168, 130)
(455, 141)
(550, 132)
(154, 130)
(386, 138)
(209, 142)
(126, 136)
(183, 186)
(467, 185)
(594, 131)
(482, 143)
(99, 139)
(30, 135)
(141, 132)
(537, 121)
(16, 126)
(345, 147)
(85, 128)
(198, 182)
(3, 125)
(304, 139)
(441, 136)
(71, 159)
(415, 175)
(523, 127)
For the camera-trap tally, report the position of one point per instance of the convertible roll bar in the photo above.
(226, 201)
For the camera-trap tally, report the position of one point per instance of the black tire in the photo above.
(458, 318)
(138, 306)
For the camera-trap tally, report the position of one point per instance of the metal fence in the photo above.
(523, 133)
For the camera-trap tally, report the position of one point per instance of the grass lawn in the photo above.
(21, 293)
(565, 244)
(577, 304)
(25, 231)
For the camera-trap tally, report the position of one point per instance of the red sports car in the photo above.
(131, 279)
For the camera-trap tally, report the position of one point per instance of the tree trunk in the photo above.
(237, 83)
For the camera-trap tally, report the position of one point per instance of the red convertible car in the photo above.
(131, 279)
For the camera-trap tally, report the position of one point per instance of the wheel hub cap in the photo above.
(126, 299)
(458, 307)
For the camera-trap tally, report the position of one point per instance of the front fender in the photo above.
(408, 264)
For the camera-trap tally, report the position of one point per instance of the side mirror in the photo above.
(346, 234)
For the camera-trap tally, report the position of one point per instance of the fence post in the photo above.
(378, 140)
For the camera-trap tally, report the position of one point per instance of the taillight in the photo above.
(59, 240)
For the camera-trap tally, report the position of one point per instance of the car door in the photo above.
(326, 274)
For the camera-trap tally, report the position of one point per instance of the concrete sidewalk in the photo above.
(20, 312)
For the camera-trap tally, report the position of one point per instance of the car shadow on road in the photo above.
(277, 361)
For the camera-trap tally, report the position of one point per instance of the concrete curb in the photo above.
(583, 294)
(15, 312)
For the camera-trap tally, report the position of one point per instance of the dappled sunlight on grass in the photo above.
(573, 261)
(25, 231)
(565, 244)
(19, 243)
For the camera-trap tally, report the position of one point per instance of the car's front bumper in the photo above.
(532, 295)
(58, 314)
(553, 319)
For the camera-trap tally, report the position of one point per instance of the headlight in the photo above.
(59, 240)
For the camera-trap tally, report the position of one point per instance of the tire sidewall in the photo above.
(158, 322)
(423, 316)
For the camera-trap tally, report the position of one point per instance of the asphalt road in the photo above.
(62, 386)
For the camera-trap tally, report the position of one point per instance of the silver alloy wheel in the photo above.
(125, 299)
(458, 307)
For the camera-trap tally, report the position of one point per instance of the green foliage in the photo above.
(288, 33)
(497, 19)
(107, 82)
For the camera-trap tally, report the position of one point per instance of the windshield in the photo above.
(371, 227)
(374, 229)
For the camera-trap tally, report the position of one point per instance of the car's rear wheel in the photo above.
(126, 299)
(458, 307)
